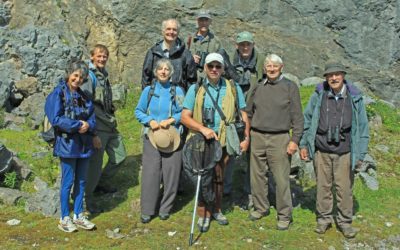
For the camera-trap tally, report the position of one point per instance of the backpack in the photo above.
(49, 133)
(93, 78)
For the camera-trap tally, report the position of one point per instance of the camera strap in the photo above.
(221, 113)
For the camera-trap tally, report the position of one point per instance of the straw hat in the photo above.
(165, 140)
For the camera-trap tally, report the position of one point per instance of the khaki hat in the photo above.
(214, 57)
(244, 36)
(165, 140)
(204, 13)
(332, 67)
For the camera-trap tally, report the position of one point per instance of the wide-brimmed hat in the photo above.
(332, 67)
(165, 140)
(204, 13)
(244, 36)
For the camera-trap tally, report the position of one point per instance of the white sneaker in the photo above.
(82, 221)
(66, 225)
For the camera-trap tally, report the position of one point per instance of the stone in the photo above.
(172, 233)
(292, 78)
(375, 122)
(382, 148)
(27, 86)
(46, 202)
(21, 168)
(39, 184)
(113, 235)
(119, 94)
(11, 120)
(33, 106)
(11, 196)
(311, 81)
(13, 222)
(388, 224)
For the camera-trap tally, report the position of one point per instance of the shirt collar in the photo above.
(273, 82)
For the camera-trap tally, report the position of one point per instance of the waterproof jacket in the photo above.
(181, 58)
(100, 93)
(64, 110)
(359, 123)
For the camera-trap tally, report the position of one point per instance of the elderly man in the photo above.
(246, 69)
(203, 41)
(274, 109)
(172, 48)
(201, 115)
(336, 138)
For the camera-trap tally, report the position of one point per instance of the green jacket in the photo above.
(255, 69)
(101, 95)
(209, 44)
(359, 124)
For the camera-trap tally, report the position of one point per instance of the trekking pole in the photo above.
(194, 210)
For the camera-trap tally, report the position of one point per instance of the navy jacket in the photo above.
(64, 110)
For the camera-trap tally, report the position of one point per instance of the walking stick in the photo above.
(195, 206)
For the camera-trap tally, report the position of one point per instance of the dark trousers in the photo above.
(157, 168)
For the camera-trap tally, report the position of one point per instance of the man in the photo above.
(336, 138)
(201, 115)
(107, 139)
(203, 42)
(274, 109)
(246, 69)
(172, 48)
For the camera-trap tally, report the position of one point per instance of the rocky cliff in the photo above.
(38, 38)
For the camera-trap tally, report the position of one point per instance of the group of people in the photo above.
(197, 88)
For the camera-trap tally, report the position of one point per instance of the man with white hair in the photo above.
(200, 114)
(172, 48)
(278, 111)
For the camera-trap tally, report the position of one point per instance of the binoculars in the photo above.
(334, 135)
(208, 115)
(202, 55)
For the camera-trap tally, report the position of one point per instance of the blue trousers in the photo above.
(73, 172)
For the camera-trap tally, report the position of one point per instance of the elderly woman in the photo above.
(72, 116)
(159, 110)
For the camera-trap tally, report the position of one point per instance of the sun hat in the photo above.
(165, 140)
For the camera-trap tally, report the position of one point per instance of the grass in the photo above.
(373, 208)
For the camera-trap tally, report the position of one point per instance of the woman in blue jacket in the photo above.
(71, 114)
(159, 110)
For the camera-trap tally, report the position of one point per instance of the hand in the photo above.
(304, 154)
(167, 123)
(291, 148)
(97, 142)
(196, 59)
(84, 127)
(208, 133)
(244, 145)
(154, 125)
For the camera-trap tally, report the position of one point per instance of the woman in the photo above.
(72, 116)
(159, 110)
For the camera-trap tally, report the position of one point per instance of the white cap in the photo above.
(214, 57)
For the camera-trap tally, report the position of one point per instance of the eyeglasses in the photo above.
(212, 66)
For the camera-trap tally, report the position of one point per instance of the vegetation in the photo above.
(122, 210)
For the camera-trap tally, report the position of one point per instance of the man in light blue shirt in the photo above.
(200, 115)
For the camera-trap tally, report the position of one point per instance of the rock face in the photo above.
(38, 40)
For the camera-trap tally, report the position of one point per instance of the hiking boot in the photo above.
(83, 222)
(255, 215)
(66, 225)
(163, 216)
(203, 224)
(145, 218)
(220, 218)
(247, 203)
(322, 228)
(283, 225)
(349, 231)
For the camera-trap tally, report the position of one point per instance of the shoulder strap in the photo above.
(93, 77)
(151, 93)
(221, 113)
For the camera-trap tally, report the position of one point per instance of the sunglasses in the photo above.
(212, 66)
